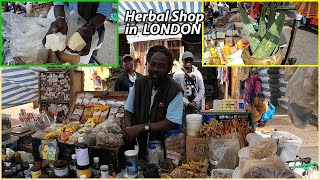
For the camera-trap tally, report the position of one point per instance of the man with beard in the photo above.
(155, 103)
(126, 80)
(191, 82)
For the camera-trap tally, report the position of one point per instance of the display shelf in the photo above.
(222, 112)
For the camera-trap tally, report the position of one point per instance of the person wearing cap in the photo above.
(94, 13)
(191, 81)
(126, 80)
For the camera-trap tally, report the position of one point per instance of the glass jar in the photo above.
(61, 168)
(175, 145)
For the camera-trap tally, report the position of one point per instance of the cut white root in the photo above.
(76, 42)
(56, 42)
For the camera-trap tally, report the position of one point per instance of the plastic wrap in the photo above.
(302, 88)
(49, 150)
(109, 139)
(39, 135)
(261, 147)
(25, 35)
(225, 151)
(107, 127)
(264, 172)
(247, 164)
(288, 145)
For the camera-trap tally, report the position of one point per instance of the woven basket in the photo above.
(243, 73)
(272, 60)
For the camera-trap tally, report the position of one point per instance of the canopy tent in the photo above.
(158, 7)
(19, 86)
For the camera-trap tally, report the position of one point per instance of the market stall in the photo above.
(222, 141)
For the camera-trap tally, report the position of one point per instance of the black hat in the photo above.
(126, 56)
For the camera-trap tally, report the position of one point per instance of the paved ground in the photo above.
(107, 52)
(305, 46)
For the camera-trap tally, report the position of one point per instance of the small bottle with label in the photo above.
(73, 164)
(104, 170)
(82, 156)
(9, 158)
(95, 168)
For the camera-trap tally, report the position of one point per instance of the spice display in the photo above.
(212, 129)
(261, 147)
(55, 86)
(189, 170)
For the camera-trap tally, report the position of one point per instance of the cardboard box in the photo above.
(197, 148)
(228, 41)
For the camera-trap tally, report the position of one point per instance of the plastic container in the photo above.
(104, 170)
(288, 145)
(95, 168)
(159, 148)
(153, 156)
(35, 172)
(73, 163)
(175, 145)
(61, 168)
(194, 123)
(6, 134)
(131, 163)
(84, 170)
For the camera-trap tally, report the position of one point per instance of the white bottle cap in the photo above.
(74, 156)
(96, 159)
(83, 177)
(80, 140)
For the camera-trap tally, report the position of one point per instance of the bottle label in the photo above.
(104, 174)
(132, 167)
(82, 157)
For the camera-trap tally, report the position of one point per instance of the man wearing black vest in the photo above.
(125, 81)
(94, 13)
(155, 104)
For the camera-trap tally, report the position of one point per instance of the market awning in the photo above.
(158, 7)
(19, 86)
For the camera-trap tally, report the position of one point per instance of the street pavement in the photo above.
(107, 52)
(305, 46)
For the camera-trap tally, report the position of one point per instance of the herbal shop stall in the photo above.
(219, 142)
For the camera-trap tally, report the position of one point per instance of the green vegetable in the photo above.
(262, 23)
(271, 39)
(272, 14)
(249, 29)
